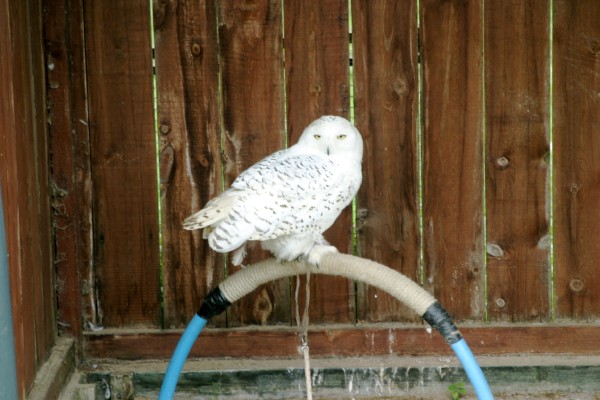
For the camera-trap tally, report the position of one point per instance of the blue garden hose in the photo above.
(411, 294)
(180, 354)
(440, 320)
(472, 369)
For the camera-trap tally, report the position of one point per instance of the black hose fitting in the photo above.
(441, 321)
(214, 304)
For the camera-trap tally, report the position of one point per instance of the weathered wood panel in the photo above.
(14, 187)
(576, 103)
(123, 162)
(251, 57)
(385, 65)
(317, 83)
(70, 164)
(516, 83)
(24, 169)
(82, 175)
(451, 53)
(39, 194)
(370, 340)
(190, 160)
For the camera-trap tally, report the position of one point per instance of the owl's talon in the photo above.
(317, 252)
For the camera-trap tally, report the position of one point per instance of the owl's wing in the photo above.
(220, 207)
(291, 177)
(294, 194)
(276, 179)
(285, 193)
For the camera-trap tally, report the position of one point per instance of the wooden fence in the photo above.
(481, 175)
(24, 172)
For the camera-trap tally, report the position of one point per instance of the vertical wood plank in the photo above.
(23, 165)
(452, 44)
(516, 65)
(39, 196)
(317, 83)
(251, 51)
(577, 166)
(190, 160)
(14, 189)
(27, 276)
(69, 152)
(385, 48)
(123, 162)
(82, 173)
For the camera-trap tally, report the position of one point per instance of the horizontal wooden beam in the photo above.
(346, 341)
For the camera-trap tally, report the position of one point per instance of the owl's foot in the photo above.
(238, 255)
(317, 252)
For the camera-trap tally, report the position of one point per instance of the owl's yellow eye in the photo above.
(317, 137)
(342, 136)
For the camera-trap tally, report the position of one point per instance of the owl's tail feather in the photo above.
(215, 211)
(230, 233)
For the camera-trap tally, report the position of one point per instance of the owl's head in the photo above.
(334, 136)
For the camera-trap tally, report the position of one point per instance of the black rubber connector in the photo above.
(214, 304)
(441, 321)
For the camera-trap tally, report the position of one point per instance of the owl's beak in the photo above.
(328, 150)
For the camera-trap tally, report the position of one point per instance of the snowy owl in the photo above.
(288, 199)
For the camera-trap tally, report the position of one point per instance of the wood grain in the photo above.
(317, 83)
(14, 186)
(39, 193)
(516, 82)
(385, 62)
(190, 160)
(24, 169)
(576, 67)
(82, 172)
(344, 341)
(70, 173)
(452, 44)
(251, 57)
(123, 162)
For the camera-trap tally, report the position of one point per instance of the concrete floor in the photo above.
(511, 377)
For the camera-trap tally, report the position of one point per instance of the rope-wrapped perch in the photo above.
(404, 289)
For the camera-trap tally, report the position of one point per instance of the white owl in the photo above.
(288, 199)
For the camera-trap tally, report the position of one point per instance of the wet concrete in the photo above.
(511, 377)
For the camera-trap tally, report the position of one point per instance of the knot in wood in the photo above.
(502, 162)
(576, 285)
(494, 250)
(196, 49)
(500, 302)
(167, 160)
(204, 161)
(262, 307)
(400, 87)
(164, 128)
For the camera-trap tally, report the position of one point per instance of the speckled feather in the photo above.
(288, 199)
